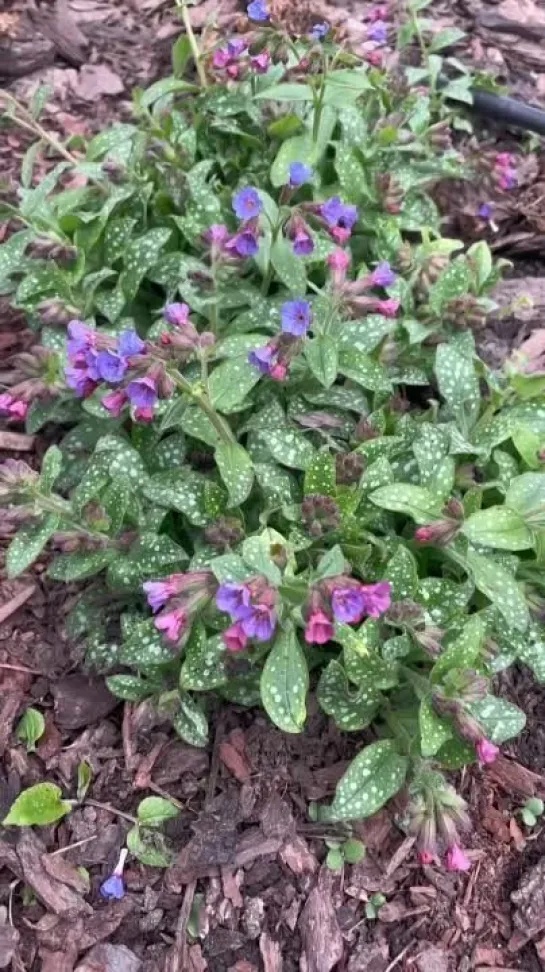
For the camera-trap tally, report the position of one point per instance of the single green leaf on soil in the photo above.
(40, 805)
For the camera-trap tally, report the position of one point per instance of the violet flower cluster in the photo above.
(274, 358)
(343, 599)
(252, 609)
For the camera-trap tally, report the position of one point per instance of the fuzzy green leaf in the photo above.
(458, 384)
(499, 718)
(498, 526)
(290, 448)
(28, 544)
(351, 710)
(321, 354)
(434, 731)
(203, 667)
(40, 805)
(154, 811)
(465, 650)
(237, 471)
(526, 494)
(190, 722)
(284, 681)
(501, 588)
(402, 573)
(415, 501)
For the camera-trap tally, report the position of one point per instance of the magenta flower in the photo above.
(299, 174)
(388, 308)
(456, 859)
(319, 629)
(110, 366)
(114, 402)
(13, 407)
(377, 598)
(172, 623)
(338, 262)
(279, 371)
(425, 857)
(142, 392)
(486, 752)
(144, 415)
(258, 10)
(383, 275)
(159, 592)
(296, 316)
(176, 314)
(247, 203)
(235, 638)
(261, 622)
(261, 62)
(348, 604)
(221, 58)
(216, 235)
(234, 599)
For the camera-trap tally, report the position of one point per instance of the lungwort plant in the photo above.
(281, 465)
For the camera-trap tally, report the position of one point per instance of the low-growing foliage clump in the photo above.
(282, 464)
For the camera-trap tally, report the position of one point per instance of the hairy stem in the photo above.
(202, 400)
(182, 7)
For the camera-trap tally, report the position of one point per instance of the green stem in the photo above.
(202, 400)
(268, 275)
(60, 507)
(182, 7)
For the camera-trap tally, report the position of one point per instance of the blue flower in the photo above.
(336, 213)
(258, 10)
(319, 31)
(245, 244)
(113, 888)
(263, 358)
(110, 366)
(378, 32)
(130, 344)
(383, 275)
(299, 174)
(142, 392)
(296, 317)
(485, 211)
(234, 599)
(247, 203)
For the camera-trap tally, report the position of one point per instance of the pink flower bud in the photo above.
(340, 234)
(319, 629)
(261, 62)
(144, 415)
(456, 859)
(338, 262)
(172, 623)
(279, 372)
(235, 638)
(425, 857)
(424, 534)
(388, 308)
(114, 401)
(486, 752)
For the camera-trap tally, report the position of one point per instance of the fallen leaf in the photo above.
(236, 762)
(96, 80)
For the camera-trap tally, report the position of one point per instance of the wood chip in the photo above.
(17, 442)
(320, 931)
(15, 602)
(270, 953)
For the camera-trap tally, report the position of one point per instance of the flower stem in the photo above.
(182, 7)
(202, 400)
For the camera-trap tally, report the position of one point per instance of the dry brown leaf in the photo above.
(97, 80)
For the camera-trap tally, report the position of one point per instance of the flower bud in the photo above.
(365, 431)
(320, 514)
(348, 467)
(225, 533)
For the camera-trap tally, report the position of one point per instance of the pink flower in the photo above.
(260, 62)
(159, 592)
(143, 415)
(279, 372)
(235, 638)
(378, 598)
(221, 58)
(486, 752)
(172, 623)
(13, 407)
(338, 262)
(378, 13)
(341, 234)
(504, 160)
(319, 629)
(457, 859)
(425, 857)
(388, 308)
(114, 401)
(424, 534)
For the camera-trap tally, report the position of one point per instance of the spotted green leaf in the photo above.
(498, 526)
(256, 552)
(402, 573)
(28, 544)
(146, 647)
(434, 731)
(526, 494)
(366, 334)
(350, 709)
(288, 268)
(415, 501)
(237, 471)
(203, 667)
(79, 566)
(320, 476)
(362, 369)
(500, 587)
(131, 688)
(277, 484)
(183, 491)
(454, 282)
(331, 564)
(140, 256)
(465, 650)
(321, 354)
(284, 681)
(190, 722)
(499, 718)
(458, 384)
(373, 777)
(290, 447)
(231, 382)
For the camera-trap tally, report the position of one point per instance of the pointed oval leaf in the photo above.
(237, 471)
(284, 681)
(373, 777)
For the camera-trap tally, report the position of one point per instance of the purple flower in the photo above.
(234, 599)
(261, 62)
(236, 47)
(114, 402)
(258, 10)
(485, 211)
(110, 366)
(263, 358)
(378, 32)
(245, 244)
(296, 317)
(130, 344)
(176, 314)
(348, 604)
(142, 392)
(319, 31)
(336, 213)
(81, 338)
(113, 888)
(377, 598)
(217, 235)
(303, 244)
(299, 174)
(247, 202)
(383, 275)
(79, 380)
(158, 593)
(260, 624)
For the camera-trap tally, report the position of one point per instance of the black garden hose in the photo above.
(508, 111)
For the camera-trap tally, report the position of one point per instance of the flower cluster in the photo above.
(505, 171)
(251, 607)
(274, 358)
(177, 599)
(235, 59)
(342, 599)
(438, 817)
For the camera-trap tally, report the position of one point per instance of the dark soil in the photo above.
(249, 882)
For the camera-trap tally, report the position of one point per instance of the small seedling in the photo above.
(85, 776)
(145, 840)
(31, 728)
(352, 851)
(531, 811)
(373, 906)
